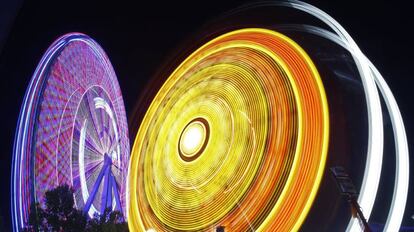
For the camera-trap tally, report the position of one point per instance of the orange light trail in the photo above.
(259, 100)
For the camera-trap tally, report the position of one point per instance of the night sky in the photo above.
(143, 40)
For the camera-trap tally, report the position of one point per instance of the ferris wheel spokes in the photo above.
(109, 187)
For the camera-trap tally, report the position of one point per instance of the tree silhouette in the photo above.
(108, 221)
(36, 220)
(60, 215)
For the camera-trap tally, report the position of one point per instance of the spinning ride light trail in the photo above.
(194, 67)
(255, 107)
(72, 130)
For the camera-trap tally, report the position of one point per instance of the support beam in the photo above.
(95, 189)
(116, 193)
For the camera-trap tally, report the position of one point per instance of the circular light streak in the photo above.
(258, 158)
(72, 130)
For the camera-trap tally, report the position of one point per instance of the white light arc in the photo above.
(370, 76)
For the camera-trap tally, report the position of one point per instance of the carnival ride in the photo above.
(72, 130)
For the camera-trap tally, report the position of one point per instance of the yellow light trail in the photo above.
(237, 136)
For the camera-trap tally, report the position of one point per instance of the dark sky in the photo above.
(139, 39)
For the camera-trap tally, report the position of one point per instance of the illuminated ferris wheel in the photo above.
(72, 130)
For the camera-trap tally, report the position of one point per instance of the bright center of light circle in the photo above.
(193, 138)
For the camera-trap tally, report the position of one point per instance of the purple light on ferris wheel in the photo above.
(72, 129)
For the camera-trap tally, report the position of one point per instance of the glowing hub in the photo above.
(193, 139)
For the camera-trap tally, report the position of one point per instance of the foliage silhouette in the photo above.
(108, 221)
(60, 215)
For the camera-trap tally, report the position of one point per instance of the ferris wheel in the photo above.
(72, 130)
